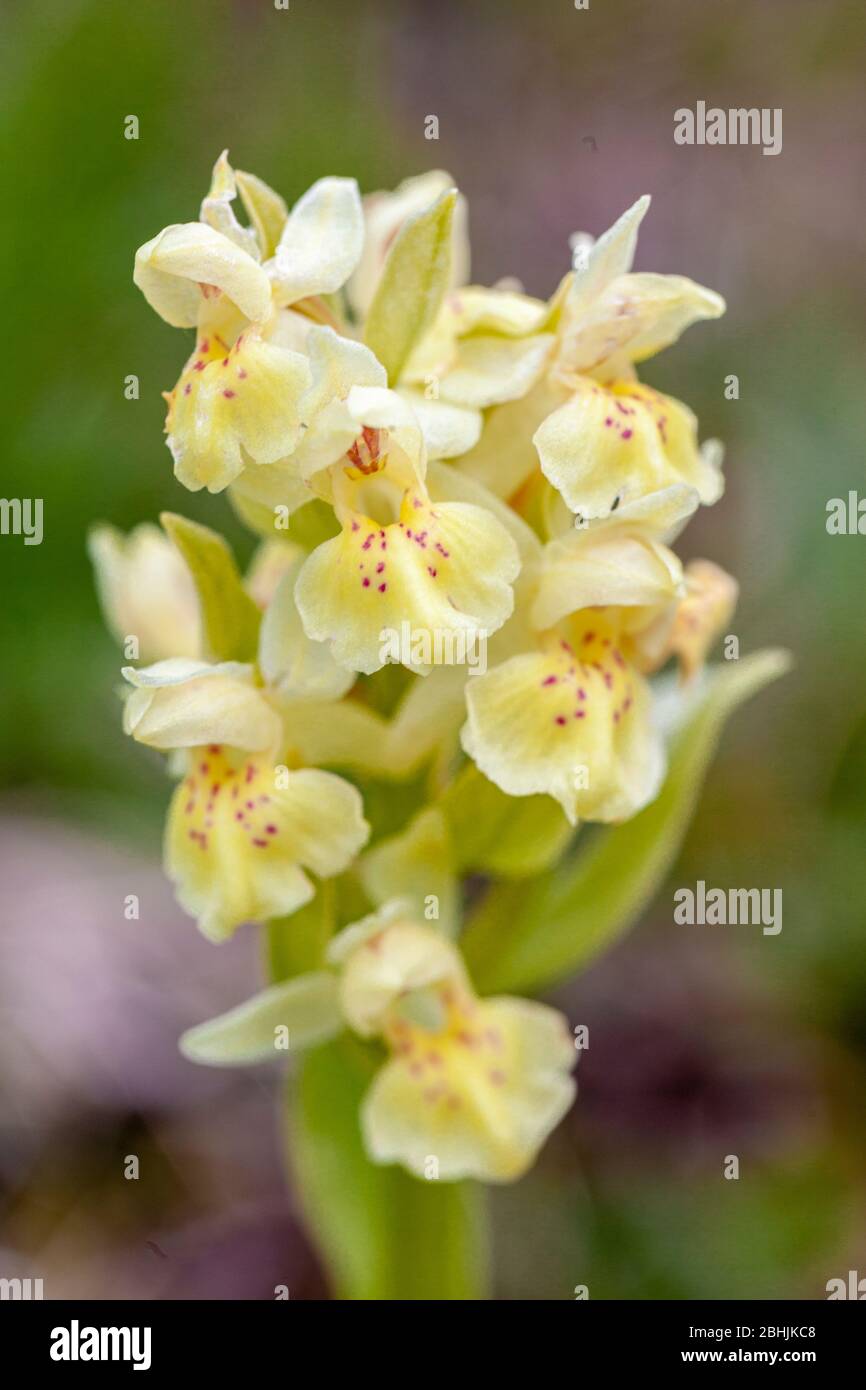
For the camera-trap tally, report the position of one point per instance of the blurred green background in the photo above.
(705, 1042)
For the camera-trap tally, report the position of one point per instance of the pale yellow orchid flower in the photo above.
(623, 442)
(475, 1086)
(667, 609)
(600, 436)
(250, 294)
(243, 824)
(571, 715)
(571, 719)
(443, 567)
(486, 347)
(336, 365)
(146, 592)
(472, 1087)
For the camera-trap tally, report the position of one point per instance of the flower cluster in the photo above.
(475, 470)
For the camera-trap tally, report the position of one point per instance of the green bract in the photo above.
(412, 286)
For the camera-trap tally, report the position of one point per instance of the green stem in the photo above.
(381, 1233)
(384, 1234)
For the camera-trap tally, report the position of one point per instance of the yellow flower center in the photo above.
(586, 668)
(626, 399)
(225, 789)
(213, 356)
(451, 1048)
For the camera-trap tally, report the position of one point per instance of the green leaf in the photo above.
(385, 1235)
(526, 937)
(498, 834)
(412, 286)
(306, 1006)
(230, 618)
